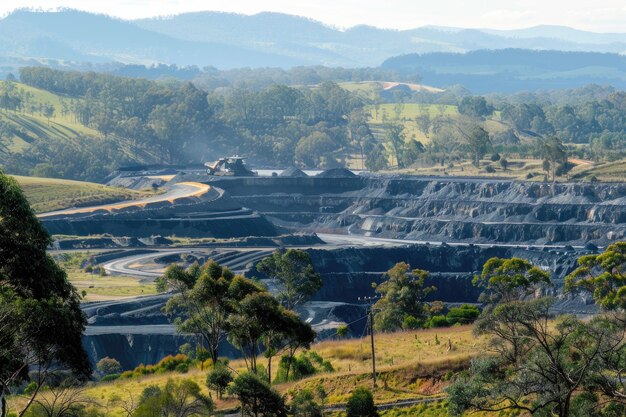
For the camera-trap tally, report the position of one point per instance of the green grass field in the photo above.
(98, 287)
(32, 125)
(47, 194)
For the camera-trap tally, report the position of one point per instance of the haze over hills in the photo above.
(79, 40)
(511, 70)
(227, 40)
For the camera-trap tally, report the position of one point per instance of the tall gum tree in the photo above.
(41, 323)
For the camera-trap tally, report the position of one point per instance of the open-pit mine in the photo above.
(354, 226)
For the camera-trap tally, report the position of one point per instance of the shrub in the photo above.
(110, 377)
(107, 366)
(306, 364)
(219, 378)
(342, 331)
(438, 321)
(410, 323)
(304, 404)
(361, 404)
(169, 363)
(257, 397)
(495, 157)
(464, 315)
(490, 169)
(182, 368)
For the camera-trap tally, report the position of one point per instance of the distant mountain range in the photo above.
(482, 60)
(227, 40)
(511, 70)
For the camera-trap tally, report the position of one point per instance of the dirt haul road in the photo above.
(178, 191)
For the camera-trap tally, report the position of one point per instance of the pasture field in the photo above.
(31, 124)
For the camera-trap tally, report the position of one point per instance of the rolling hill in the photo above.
(228, 40)
(79, 36)
(511, 70)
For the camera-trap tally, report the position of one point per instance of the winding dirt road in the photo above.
(176, 192)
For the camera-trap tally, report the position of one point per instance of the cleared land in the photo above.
(46, 194)
(30, 125)
(101, 288)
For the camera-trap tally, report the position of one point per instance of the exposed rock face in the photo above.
(136, 331)
(348, 273)
(441, 209)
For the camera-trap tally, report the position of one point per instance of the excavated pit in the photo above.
(532, 220)
(440, 209)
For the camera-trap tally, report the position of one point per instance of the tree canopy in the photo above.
(41, 323)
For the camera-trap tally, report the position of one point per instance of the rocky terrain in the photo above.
(440, 209)
(365, 224)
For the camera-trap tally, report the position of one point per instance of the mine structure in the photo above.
(230, 166)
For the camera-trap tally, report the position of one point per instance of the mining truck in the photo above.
(233, 166)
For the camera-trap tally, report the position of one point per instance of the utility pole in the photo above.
(369, 301)
(373, 350)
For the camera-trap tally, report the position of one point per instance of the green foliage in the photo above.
(475, 107)
(438, 321)
(110, 377)
(537, 367)
(257, 398)
(465, 314)
(312, 150)
(361, 404)
(478, 142)
(403, 294)
(107, 366)
(179, 363)
(219, 378)
(294, 271)
(410, 323)
(505, 280)
(298, 367)
(342, 331)
(553, 150)
(602, 275)
(214, 303)
(40, 318)
(304, 404)
(177, 399)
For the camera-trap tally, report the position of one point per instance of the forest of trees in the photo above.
(277, 125)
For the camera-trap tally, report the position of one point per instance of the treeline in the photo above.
(258, 78)
(321, 126)
(180, 123)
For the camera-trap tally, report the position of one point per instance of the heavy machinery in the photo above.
(233, 165)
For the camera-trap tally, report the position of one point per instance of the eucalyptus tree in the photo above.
(295, 273)
(204, 298)
(41, 323)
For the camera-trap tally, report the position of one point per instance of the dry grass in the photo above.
(99, 288)
(47, 194)
(421, 360)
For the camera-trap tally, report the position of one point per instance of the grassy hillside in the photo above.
(610, 171)
(47, 194)
(413, 364)
(44, 126)
(30, 124)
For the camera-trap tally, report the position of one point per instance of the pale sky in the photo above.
(594, 15)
